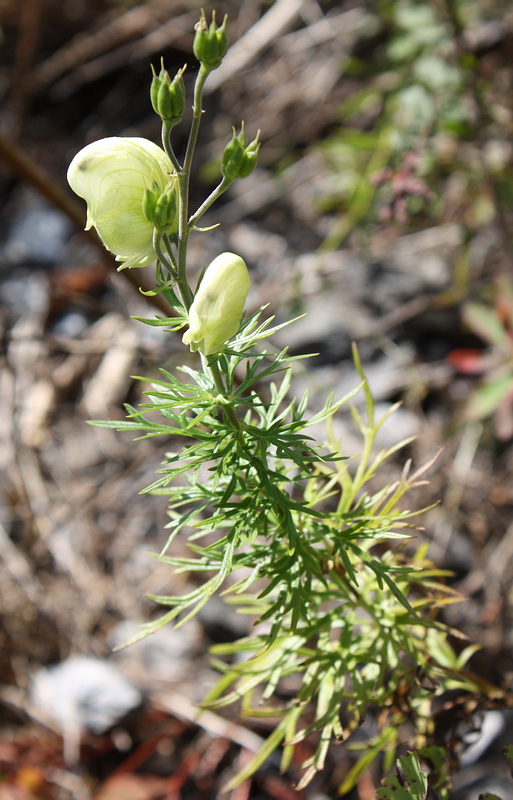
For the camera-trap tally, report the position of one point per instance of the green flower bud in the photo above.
(215, 314)
(166, 211)
(233, 156)
(250, 157)
(239, 157)
(168, 96)
(161, 209)
(112, 175)
(210, 42)
(149, 202)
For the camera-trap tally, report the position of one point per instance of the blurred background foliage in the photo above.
(430, 121)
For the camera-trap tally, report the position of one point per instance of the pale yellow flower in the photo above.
(112, 176)
(215, 315)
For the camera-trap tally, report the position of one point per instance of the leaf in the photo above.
(392, 790)
(486, 323)
(507, 752)
(409, 783)
(486, 398)
(271, 743)
(435, 756)
(412, 774)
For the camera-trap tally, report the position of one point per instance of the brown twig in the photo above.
(279, 17)
(29, 22)
(101, 40)
(170, 32)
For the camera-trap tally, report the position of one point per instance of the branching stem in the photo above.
(220, 387)
(166, 143)
(211, 199)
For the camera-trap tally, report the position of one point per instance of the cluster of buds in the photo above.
(239, 157)
(161, 208)
(210, 41)
(168, 96)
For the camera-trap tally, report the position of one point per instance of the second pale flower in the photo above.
(215, 314)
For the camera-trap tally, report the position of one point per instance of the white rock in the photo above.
(84, 693)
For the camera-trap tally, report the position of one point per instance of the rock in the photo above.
(37, 236)
(84, 693)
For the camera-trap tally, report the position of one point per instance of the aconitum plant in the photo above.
(309, 544)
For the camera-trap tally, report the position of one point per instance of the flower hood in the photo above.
(111, 175)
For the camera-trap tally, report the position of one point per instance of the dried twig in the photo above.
(29, 22)
(90, 45)
(279, 17)
(178, 704)
(171, 32)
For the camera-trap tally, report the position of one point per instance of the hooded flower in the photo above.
(112, 176)
(215, 314)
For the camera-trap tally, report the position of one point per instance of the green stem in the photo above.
(215, 195)
(368, 441)
(197, 112)
(169, 265)
(166, 144)
(220, 387)
(166, 260)
(218, 378)
(183, 189)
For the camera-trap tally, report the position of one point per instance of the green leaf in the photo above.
(393, 790)
(386, 739)
(486, 323)
(487, 397)
(507, 752)
(171, 323)
(273, 741)
(409, 783)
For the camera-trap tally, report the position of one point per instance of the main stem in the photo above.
(184, 175)
(220, 387)
(179, 269)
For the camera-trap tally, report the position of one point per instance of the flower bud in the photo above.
(166, 211)
(216, 312)
(112, 175)
(161, 209)
(168, 96)
(210, 42)
(233, 156)
(239, 157)
(250, 157)
(149, 202)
